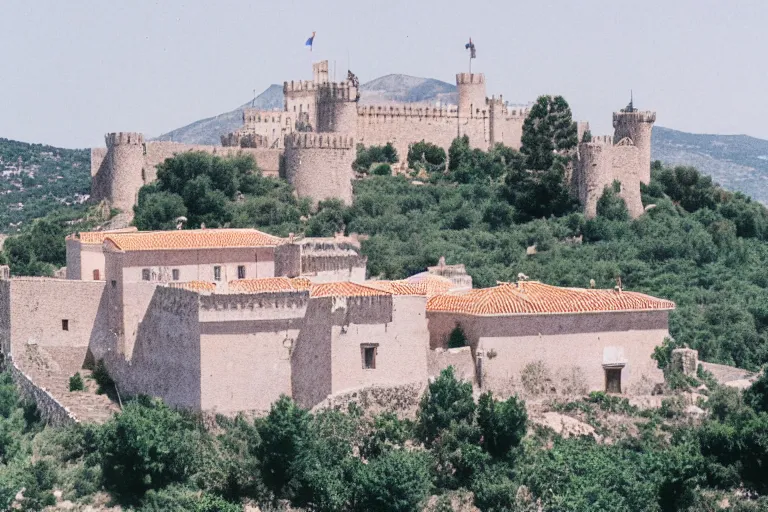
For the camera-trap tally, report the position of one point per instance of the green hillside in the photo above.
(36, 179)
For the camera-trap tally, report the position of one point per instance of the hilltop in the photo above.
(36, 179)
(737, 162)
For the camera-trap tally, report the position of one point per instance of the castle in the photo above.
(312, 141)
(227, 320)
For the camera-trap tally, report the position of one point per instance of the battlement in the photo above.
(637, 116)
(124, 138)
(344, 91)
(470, 78)
(603, 140)
(253, 115)
(318, 141)
(299, 86)
(407, 111)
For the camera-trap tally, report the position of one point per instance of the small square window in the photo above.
(217, 273)
(368, 353)
(241, 271)
(96, 274)
(65, 325)
(145, 275)
(175, 274)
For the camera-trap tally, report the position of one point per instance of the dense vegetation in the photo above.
(153, 458)
(35, 179)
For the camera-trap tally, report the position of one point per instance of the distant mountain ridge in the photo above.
(737, 162)
(400, 88)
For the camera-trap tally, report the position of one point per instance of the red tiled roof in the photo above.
(197, 286)
(269, 284)
(533, 297)
(97, 237)
(345, 289)
(191, 239)
(398, 287)
(433, 285)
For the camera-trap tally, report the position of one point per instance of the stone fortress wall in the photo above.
(315, 135)
(319, 165)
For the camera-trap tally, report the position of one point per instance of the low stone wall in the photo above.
(51, 410)
(403, 399)
(460, 358)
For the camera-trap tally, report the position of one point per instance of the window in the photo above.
(114, 284)
(96, 274)
(368, 353)
(217, 273)
(64, 325)
(145, 274)
(175, 274)
(613, 379)
(241, 271)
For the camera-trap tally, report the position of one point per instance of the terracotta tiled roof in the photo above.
(197, 286)
(532, 297)
(269, 284)
(345, 289)
(192, 239)
(97, 237)
(433, 285)
(398, 287)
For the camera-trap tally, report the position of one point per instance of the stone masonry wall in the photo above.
(320, 166)
(51, 410)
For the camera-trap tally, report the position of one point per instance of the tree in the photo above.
(159, 210)
(397, 481)
(426, 155)
(284, 435)
(549, 128)
(446, 401)
(503, 423)
(147, 446)
(457, 338)
(611, 205)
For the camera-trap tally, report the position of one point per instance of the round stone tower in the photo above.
(125, 169)
(319, 165)
(471, 88)
(337, 108)
(591, 176)
(636, 125)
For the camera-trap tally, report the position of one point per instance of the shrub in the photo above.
(284, 434)
(503, 424)
(147, 446)
(76, 382)
(536, 378)
(446, 401)
(457, 339)
(102, 378)
(398, 481)
(382, 170)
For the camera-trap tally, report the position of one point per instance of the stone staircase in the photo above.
(46, 373)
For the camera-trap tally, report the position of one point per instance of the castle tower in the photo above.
(320, 72)
(319, 165)
(337, 108)
(636, 125)
(601, 162)
(471, 88)
(120, 174)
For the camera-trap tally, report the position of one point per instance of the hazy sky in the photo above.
(74, 70)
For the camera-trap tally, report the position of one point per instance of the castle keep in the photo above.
(312, 141)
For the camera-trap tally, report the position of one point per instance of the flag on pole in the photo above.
(471, 47)
(310, 41)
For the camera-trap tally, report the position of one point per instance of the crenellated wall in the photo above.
(600, 163)
(128, 163)
(637, 126)
(319, 166)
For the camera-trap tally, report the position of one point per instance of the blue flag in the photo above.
(309, 41)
